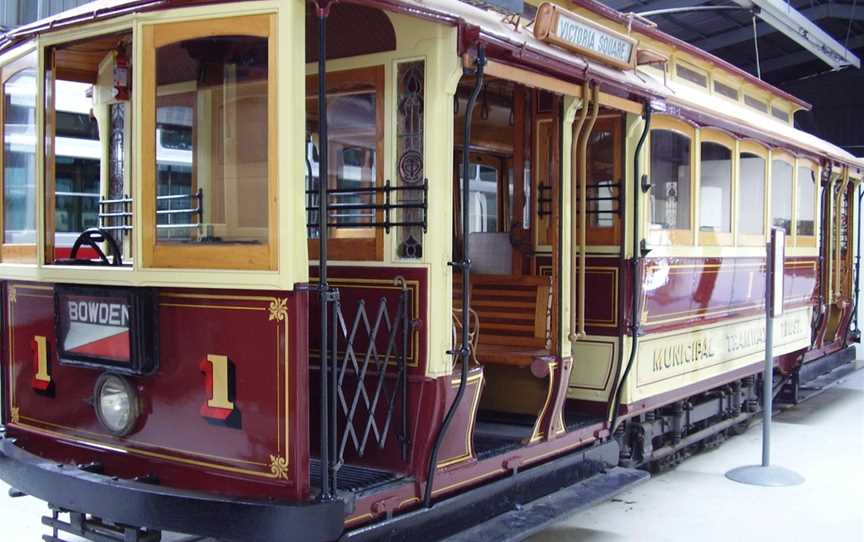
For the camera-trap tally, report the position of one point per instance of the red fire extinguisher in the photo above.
(121, 75)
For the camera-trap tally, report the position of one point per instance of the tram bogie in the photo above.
(280, 270)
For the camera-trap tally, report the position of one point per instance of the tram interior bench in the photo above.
(513, 340)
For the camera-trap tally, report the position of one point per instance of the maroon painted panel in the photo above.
(264, 440)
(683, 292)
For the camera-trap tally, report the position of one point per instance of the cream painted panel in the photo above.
(674, 360)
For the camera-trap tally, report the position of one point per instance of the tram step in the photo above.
(534, 516)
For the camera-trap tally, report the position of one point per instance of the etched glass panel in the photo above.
(409, 152)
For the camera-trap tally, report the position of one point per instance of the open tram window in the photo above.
(209, 144)
(19, 161)
(671, 182)
(753, 174)
(805, 221)
(715, 189)
(87, 87)
(355, 121)
(781, 193)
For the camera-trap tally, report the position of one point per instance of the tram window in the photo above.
(751, 201)
(805, 221)
(781, 195)
(84, 82)
(212, 93)
(715, 188)
(19, 159)
(209, 145)
(77, 166)
(355, 130)
(483, 196)
(670, 180)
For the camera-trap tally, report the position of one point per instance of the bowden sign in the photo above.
(576, 33)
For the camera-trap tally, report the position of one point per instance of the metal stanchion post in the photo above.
(767, 474)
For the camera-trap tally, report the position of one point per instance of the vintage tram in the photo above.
(386, 269)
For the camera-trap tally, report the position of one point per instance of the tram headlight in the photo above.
(116, 404)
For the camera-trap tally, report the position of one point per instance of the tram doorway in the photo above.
(513, 184)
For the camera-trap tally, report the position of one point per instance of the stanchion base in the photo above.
(771, 476)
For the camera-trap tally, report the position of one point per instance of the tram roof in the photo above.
(519, 47)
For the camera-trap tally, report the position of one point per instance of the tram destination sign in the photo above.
(581, 35)
(106, 327)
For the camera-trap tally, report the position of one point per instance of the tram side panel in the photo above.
(227, 401)
(702, 324)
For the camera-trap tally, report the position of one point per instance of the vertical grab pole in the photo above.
(322, 9)
(465, 265)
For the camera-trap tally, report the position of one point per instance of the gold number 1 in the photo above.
(40, 353)
(220, 382)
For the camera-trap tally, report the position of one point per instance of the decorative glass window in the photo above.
(780, 114)
(605, 174)
(210, 144)
(355, 166)
(671, 182)
(781, 194)
(19, 162)
(753, 172)
(755, 103)
(691, 75)
(805, 217)
(715, 190)
(725, 90)
(409, 151)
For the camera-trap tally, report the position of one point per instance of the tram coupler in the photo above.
(94, 529)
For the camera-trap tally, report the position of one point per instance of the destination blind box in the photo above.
(107, 327)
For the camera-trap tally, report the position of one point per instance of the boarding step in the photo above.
(817, 376)
(93, 529)
(535, 516)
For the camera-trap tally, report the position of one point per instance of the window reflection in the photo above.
(212, 140)
(781, 195)
(670, 180)
(602, 191)
(19, 158)
(805, 222)
(715, 188)
(352, 161)
(751, 202)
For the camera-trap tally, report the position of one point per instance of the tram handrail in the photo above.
(574, 176)
(583, 204)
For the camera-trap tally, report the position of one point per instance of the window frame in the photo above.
(19, 252)
(784, 156)
(610, 235)
(350, 244)
(228, 256)
(807, 240)
(718, 137)
(672, 237)
(749, 239)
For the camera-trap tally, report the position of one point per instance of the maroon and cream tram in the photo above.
(388, 269)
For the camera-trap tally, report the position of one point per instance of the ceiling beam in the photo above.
(801, 57)
(629, 5)
(817, 13)
(803, 31)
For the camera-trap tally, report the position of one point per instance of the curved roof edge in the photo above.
(659, 35)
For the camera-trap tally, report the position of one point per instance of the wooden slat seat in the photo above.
(513, 315)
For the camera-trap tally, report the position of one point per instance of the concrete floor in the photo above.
(822, 439)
